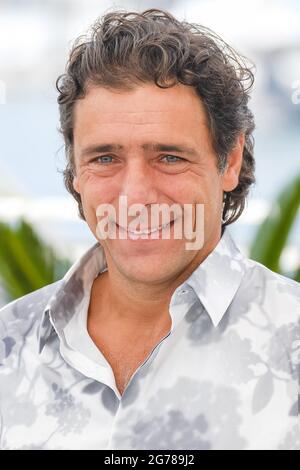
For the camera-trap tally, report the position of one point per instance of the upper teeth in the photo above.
(147, 232)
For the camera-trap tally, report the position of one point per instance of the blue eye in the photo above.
(105, 159)
(172, 159)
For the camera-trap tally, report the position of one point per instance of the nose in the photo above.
(138, 183)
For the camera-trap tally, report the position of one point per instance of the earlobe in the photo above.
(234, 165)
(76, 184)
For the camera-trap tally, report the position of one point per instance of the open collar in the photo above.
(215, 282)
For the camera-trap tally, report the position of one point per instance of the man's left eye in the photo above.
(172, 159)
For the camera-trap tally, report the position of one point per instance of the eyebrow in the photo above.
(156, 147)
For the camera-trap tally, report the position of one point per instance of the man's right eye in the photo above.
(104, 159)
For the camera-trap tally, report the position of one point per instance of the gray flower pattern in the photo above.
(225, 377)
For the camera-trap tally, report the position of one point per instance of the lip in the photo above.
(136, 235)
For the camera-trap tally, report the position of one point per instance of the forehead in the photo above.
(132, 117)
(146, 103)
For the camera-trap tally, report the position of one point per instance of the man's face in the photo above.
(134, 122)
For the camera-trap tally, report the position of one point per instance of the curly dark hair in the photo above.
(124, 49)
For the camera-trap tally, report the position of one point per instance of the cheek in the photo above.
(206, 190)
(213, 195)
(192, 189)
(95, 190)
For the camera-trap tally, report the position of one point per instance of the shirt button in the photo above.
(183, 291)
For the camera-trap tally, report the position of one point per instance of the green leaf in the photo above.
(27, 263)
(273, 233)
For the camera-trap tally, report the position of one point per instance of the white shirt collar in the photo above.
(215, 282)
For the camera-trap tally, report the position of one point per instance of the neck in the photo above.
(137, 303)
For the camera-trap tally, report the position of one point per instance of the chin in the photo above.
(148, 265)
(145, 275)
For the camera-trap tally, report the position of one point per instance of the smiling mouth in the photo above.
(145, 231)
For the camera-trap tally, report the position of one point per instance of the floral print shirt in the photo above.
(226, 376)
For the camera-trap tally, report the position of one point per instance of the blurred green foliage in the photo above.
(272, 235)
(27, 263)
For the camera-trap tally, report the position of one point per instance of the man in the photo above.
(148, 342)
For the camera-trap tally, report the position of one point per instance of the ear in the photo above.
(76, 184)
(230, 177)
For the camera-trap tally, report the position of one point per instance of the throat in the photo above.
(126, 351)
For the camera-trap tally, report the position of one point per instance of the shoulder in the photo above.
(29, 307)
(275, 282)
(275, 294)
